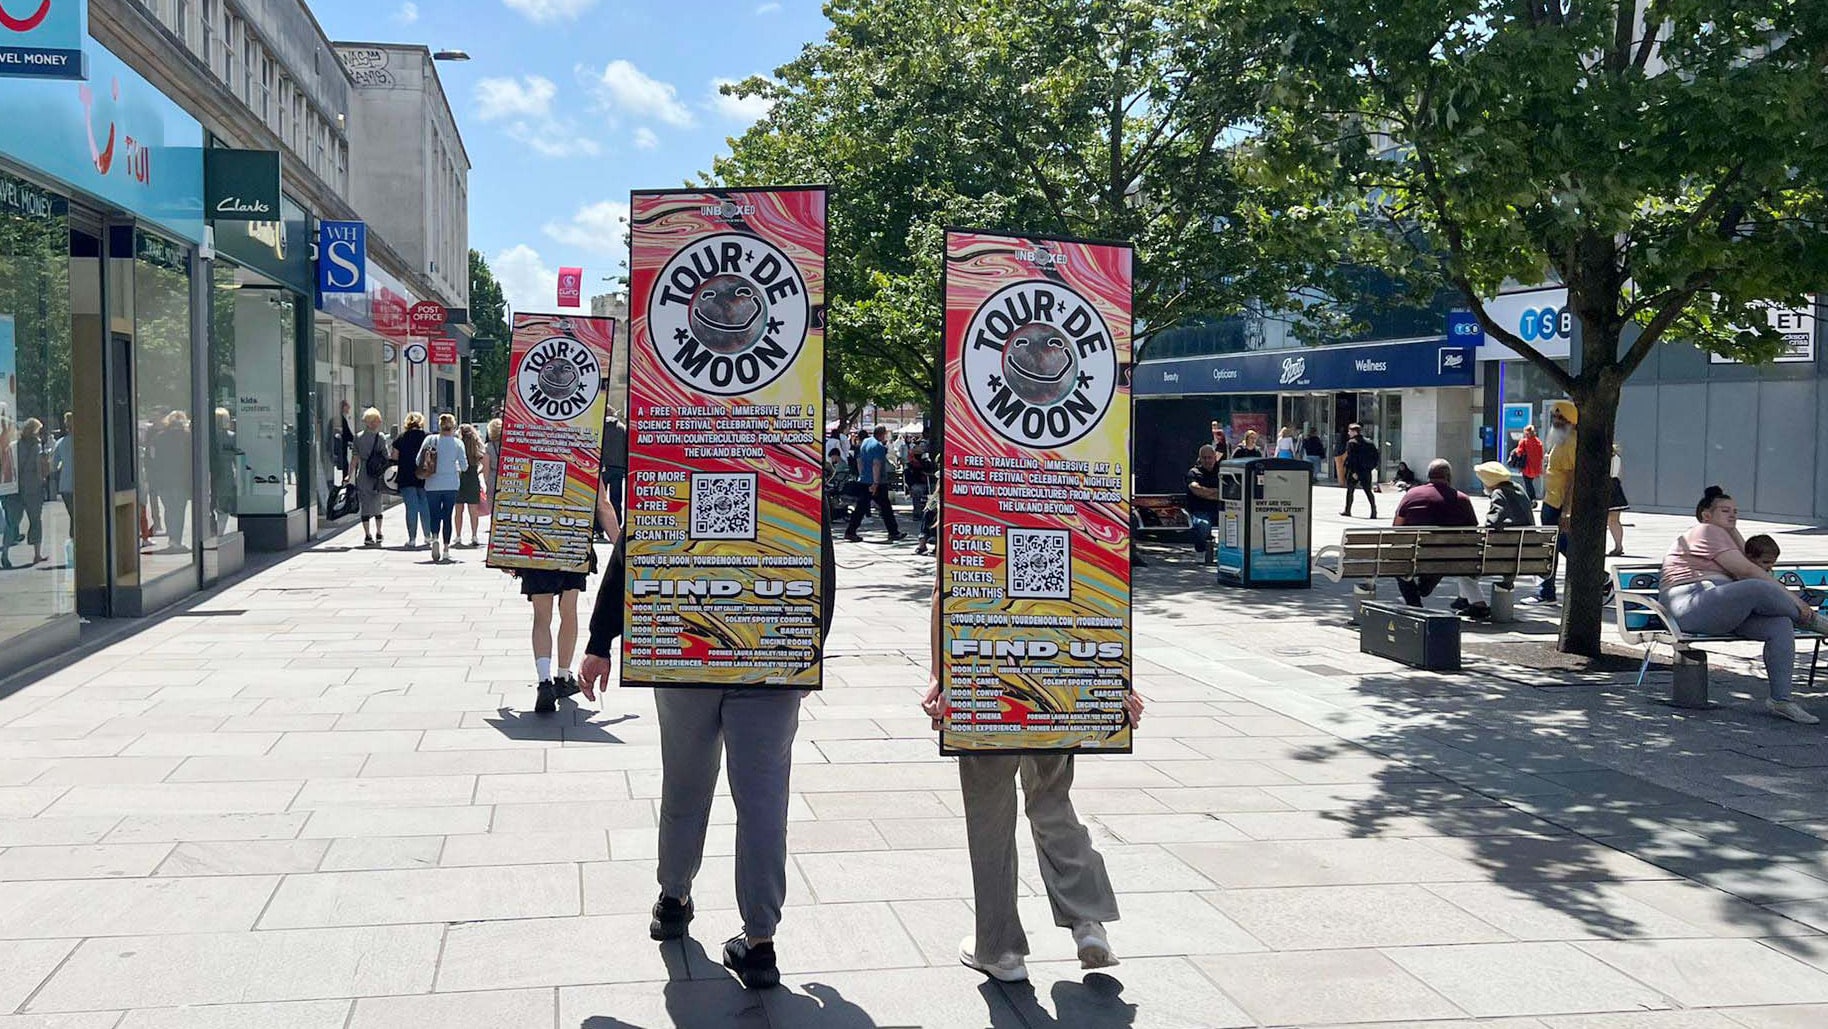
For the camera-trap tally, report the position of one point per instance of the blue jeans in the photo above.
(1199, 529)
(439, 505)
(416, 515)
(1315, 463)
(1753, 609)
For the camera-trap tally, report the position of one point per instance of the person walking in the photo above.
(1558, 484)
(370, 450)
(918, 476)
(1526, 457)
(615, 461)
(469, 481)
(405, 453)
(873, 476)
(1251, 447)
(1220, 444)
(1072, 871)
(551, 592)
(169, 462)
(31, 462)
(752, 730)
(491, 467)
(441, 466)
(1361, 461)
(63, 466)
(1285, 444)
(1617, 505)
(339, 441)
(1713, 588)
(1315, 450)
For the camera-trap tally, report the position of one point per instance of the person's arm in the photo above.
(934, 703)
(1204, 492)
(606, 516)
(881, 473)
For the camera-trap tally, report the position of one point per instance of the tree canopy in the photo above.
(489, 314)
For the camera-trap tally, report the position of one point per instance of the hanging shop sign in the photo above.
(42, 39)
(425, 317)
(416, 352)
(571, 287)
(442, 351)
(1034, 537)
(551, 445)
(241, 185)
(726, 482)
(342, 257)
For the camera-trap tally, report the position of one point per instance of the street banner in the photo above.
(726, 502)
(571, 287)
(545, 492)
(1034, 544)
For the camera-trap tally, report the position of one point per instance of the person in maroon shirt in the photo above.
(1436, 503)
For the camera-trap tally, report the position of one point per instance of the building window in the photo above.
(207, 40)
(248, 65)
(228, 49)
(266, 88)
(180, 20)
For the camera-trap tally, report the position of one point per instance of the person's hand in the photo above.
(593, 675)
(1133, 708)
(934, 703)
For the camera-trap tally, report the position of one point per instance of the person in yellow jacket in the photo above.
(1558, 480)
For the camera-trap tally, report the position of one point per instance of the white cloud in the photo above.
(526, 280)
(625, 89)
(769, 8)
(596, 228)
(545, 12)
(408, 13)
(525, 104)
(645, 139)
(527, 97)
(745, 109)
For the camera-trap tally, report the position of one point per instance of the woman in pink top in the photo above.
(1712, 588)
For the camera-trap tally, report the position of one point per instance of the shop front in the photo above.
(1517, 393)
(101, 217)
(1414, 399)
(364, 355)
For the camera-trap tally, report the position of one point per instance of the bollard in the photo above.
(1362, 593)
(1688, 681)
(1504, 605)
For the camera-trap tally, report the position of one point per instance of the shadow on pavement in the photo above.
(563, 725)
(1095, 1003)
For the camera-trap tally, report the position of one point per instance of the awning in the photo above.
(912, 427)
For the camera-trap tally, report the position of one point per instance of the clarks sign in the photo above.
(241, 185)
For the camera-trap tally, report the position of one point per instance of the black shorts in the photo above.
(537, 582)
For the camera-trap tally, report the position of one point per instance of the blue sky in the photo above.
(566, 105)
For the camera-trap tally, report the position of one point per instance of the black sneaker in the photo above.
(564, 685)
(1477, 612)
(548, 700)
(1460, 604)
(754, 966)
(670, 918)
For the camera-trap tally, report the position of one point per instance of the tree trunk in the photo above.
(1584, 516)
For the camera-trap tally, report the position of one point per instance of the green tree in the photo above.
(489, 313)
(1099, 119)
(1663, 159)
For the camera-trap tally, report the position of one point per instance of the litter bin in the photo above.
(1265, 524)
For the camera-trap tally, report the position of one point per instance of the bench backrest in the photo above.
(1647, 581)
(1425, 550)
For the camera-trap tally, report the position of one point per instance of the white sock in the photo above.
(543, 666)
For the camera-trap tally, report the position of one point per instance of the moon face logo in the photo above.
(727, 314)
(559, 378)
(1039, 364)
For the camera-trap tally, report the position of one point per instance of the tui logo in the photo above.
(27, 23)
(103, 156)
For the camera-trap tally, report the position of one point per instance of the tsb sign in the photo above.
(342, 257)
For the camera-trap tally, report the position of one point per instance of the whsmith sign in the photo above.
(1379, 366)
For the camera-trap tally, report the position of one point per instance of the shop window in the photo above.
(37, 471)
(162, 365)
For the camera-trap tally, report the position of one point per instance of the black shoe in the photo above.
(1477, 613)
(1347, 513)
(898, 537)
(754, 966)
(853, 537)
(1460, 604)
(548, 699)
(670, 919)
(565, 685)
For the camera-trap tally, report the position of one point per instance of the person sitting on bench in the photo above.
(1510, 509)
(1203, 498)
(1713, 588)
(1763, 550)
(1437, 503)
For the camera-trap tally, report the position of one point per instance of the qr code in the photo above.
(547, 480)
(1039, 564)
(723, 506)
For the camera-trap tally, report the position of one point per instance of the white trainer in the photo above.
(1010, 968)
(1094, 946)
(1792, 710)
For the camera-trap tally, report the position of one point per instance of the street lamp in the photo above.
(450, 55)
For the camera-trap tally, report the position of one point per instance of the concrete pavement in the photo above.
(315, 799)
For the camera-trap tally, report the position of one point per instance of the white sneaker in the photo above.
(1010, 968)
(1094, 946)
(1792, 710)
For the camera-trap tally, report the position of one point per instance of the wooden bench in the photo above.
(1641, 618)
(1410, 552)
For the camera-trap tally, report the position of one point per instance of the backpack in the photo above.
(375, 464)
(427, 465)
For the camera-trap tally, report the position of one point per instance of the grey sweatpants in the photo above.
(755, 727)
(1755, 609)
(1078, 888)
